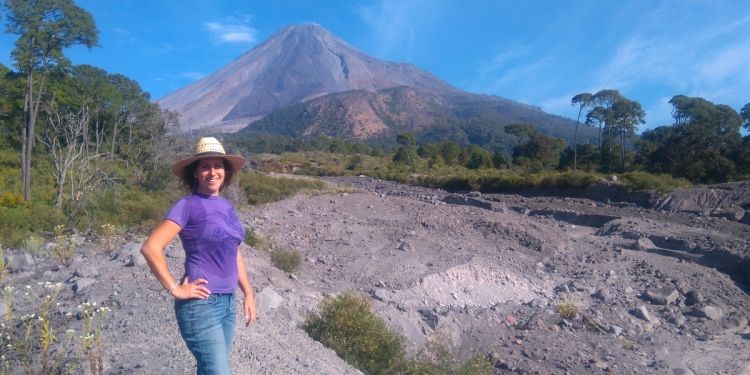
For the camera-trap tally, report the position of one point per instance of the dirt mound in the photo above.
(730, 201)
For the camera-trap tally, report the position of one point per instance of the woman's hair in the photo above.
(190, 183)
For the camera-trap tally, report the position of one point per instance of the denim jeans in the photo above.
(207, 326)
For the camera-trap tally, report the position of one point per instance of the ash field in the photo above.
(663, 289)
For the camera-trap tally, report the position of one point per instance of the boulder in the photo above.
(661, 296)
(268, 299)
(708, 312)
(86, 271)
(644, 243)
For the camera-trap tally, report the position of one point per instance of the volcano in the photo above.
(296, 64)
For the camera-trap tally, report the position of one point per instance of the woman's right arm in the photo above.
(153, 251)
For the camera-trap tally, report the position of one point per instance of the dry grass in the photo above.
(568, 309)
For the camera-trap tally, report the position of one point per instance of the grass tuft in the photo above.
(285, 260)
(568, 309)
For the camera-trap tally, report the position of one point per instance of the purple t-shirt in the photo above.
(211, 235)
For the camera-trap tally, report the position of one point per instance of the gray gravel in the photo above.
(660, 290)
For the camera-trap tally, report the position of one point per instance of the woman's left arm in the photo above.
(248, 307)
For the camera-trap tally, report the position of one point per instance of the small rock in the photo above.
(677, 318)
(511, 320)
(579, 285)
(379, 294)
(562, 289)
(535, 303)
(136, 260)
(661, 296)
(616, 330)
(430, 317)
(602, 293)
(693, 298)
(734, 322)
(293, 276)
(708, 312)
(406, 246)
(86, 271)
(27, 262)
(642, 313)
(82, 283)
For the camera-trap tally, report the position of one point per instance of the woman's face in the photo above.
(210, 175)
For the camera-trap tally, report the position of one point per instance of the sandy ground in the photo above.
(662, 289)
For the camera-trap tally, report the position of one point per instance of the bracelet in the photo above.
(173, 286)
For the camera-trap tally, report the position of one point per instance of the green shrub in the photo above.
(663, 183)
(287, 261)
(570, 179)
(256, 240)
(440, 356)
(348, 325)
(261, 188)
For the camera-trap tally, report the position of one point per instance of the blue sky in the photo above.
(536, 52)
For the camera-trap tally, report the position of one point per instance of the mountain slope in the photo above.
(297, 63)
(432, 115)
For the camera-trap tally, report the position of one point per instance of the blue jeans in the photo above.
(207, 326)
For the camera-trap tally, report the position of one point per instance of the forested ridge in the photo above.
(432, 116)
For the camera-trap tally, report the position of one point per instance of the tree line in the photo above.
(73, 137)
(704, 145)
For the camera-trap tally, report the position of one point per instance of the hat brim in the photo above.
(237, 162)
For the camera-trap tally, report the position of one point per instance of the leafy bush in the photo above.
(347, 325)
(570, 179)
(439, 357)
(261, 188)
(256, 240)
(20, 222)
(663, 183)
(287, 261)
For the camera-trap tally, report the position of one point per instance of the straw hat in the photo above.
(208, 147)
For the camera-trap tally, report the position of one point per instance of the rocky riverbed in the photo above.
(662, 289)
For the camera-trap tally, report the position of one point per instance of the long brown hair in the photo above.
(190, 183)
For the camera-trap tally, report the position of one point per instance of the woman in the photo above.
(211, 235)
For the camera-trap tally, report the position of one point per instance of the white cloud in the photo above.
(712, 61)
(396, 24)
(232, 32)
(192, 75)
